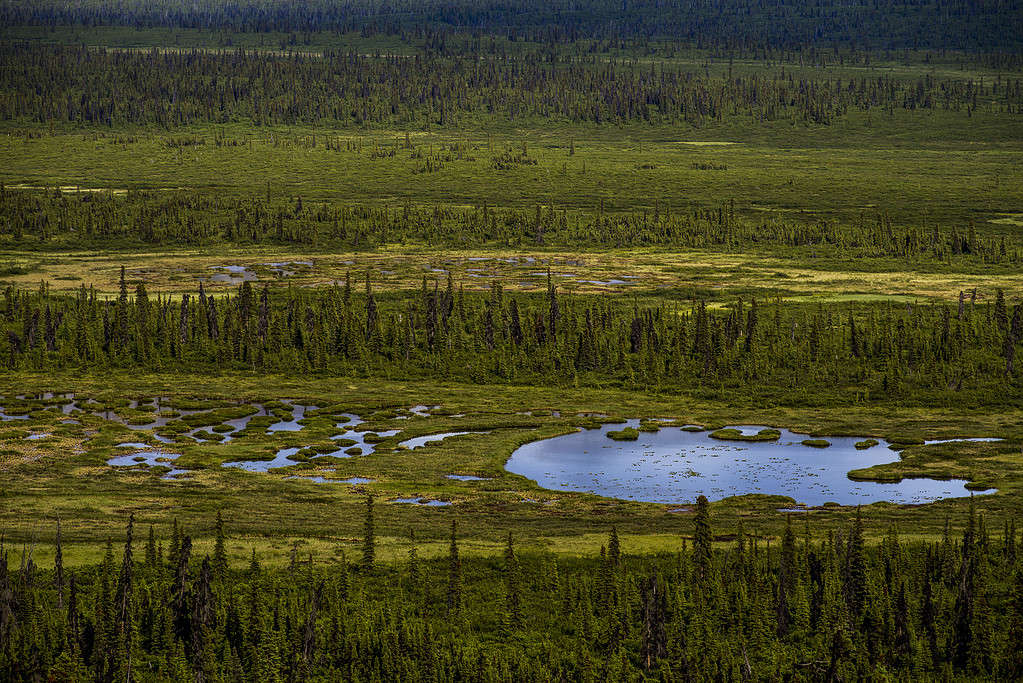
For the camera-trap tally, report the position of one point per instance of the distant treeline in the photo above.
(880, 24)
(175, 89)
(61, 220)
(801, 610)
(911, 352)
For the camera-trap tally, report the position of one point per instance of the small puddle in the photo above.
(422, 501)
(239, 423)
(283, 456)
(150, 458)
(326, 480)
(466, 477)
(292, 425)
(281, 459)
(232, 275)
(420, 441)
(283, 269)
(359, 438)
(978, 439)
(422, 411)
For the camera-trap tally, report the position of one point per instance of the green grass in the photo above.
(736, 435)
(66, 475)
(920, 168)
(660, 274)
(919, 172)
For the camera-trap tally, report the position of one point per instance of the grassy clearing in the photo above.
(653, 273)
(917, 180)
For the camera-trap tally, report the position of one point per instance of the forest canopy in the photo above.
(891, 24)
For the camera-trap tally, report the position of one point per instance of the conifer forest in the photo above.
(467, 340)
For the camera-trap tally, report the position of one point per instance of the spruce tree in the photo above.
(1014, 642)
(58, 569)
(614, 548)
(369, 537)
(220, 550)
(414, 574)
(513, 597)
(855, 587)
(786, 579)
(151, 549)
(702, 539)
(454, 594)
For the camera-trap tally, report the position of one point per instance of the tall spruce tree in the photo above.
(702, 539)
(454, 593)
(368, 537)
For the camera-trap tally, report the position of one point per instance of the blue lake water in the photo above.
(675, 466)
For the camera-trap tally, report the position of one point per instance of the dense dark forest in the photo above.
(884, 24)
(801, 610)
(175, 89)
(59, 220)
(919, 352)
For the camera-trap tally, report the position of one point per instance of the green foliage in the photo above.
(651, 614)
(627, 434)
(369, 537)
(731, 434)
(919, 352)
(743, 28)
(398, 131)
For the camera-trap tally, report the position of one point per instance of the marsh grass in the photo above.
(66, 475)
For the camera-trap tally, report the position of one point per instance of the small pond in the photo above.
(612, 281)
(351, 443)
(292, 425)
(231, 275)
(150, 458)
(354, 481)
(281, 459)
(422, 501)
(676, 466)
(4, 417)
(421, 410)
(420, 441)
(287, 268)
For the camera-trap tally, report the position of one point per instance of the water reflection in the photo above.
(676, 466)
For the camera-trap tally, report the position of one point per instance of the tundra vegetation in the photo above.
(284, 285)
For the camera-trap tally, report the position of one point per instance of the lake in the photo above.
(676, 466)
